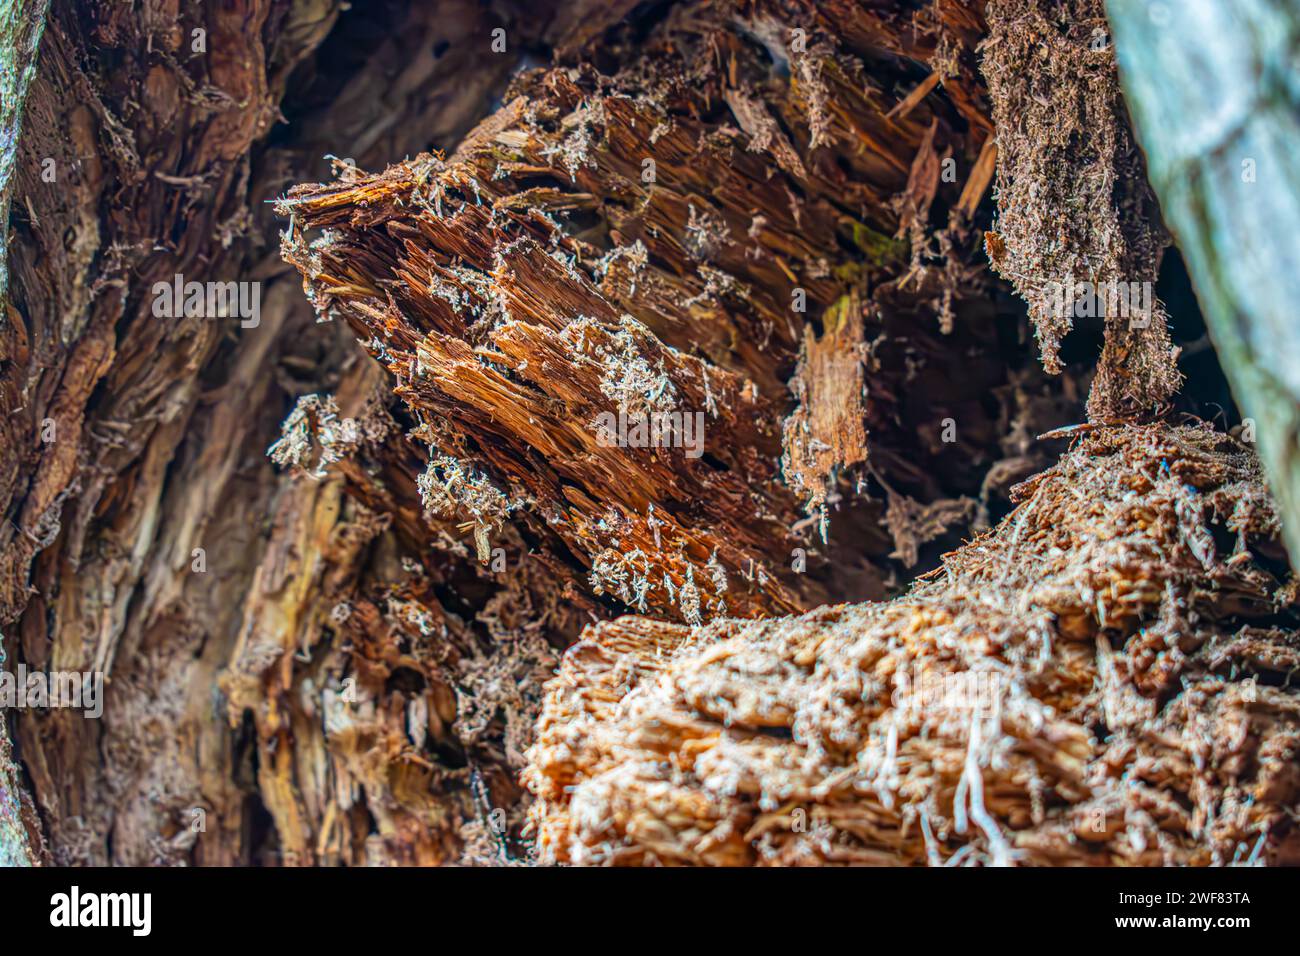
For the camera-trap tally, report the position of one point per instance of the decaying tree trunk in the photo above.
(597, 309)
(148, 537)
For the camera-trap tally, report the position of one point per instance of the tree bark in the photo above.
(1214, 101)
(141, 507)
(21, 26)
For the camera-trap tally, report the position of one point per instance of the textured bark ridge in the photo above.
(21, 26)
(1102, 679)
(291, 676)
(1231, 198)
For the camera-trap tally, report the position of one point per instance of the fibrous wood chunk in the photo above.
(1101, 679)
(827, 431)
(666, 319)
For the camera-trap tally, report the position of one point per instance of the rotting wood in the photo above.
(1076, 216)
(608, 245)
(1099, 680)
(355, 677)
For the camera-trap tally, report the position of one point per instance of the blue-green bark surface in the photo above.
(1214, 90)
(21, 25)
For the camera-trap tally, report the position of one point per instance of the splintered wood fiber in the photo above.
(1100, 680)
(739, 226)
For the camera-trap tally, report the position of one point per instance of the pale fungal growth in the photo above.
(505, 684)
(449, 291)
(717, 286)
(654, 524)
(808, 67)
(689, 598)
(574, 152)
(448, 488)
(628, 379)
(717, 573)
(616, 573)
(635, 254)
(707, 233)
